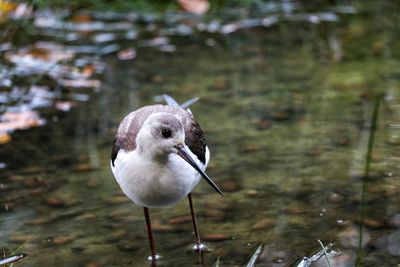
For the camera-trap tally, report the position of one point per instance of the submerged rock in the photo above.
(395, 221)
(230, 185)
(216, 237)
(263, 224)
(349, 237)
(180, 220)
(335, 198)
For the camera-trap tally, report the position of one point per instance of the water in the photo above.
(286, 111)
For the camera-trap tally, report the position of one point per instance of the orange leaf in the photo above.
(198, 7)
(11, 121)
(6, 7)
(4, 138)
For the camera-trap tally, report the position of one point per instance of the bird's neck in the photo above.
(154, 155)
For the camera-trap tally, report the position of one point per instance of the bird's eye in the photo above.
(166, 133)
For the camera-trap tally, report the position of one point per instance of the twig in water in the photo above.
(255, 256)
(216, 264)
(326, 254)
(13, 258)
(371, 140)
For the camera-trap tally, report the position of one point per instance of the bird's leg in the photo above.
(153, 256)
(198, 246)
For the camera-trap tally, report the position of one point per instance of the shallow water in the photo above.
(286, 110)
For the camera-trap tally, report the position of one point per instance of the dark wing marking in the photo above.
(195, 140)
(115, 150)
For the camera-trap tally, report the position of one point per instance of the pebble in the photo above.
(117, 199)
(38, 191)
(373, 224)
(163, 228)
(119, 233)
(335, 198)
(263, 224)
(180, 220)
(33, 181)
(92, 183)
(55, 202)
(62, 240)
(281, 116)
(86, 217)
(39, 221)
(230, 185)
(131, 218)
(251, 148)
(264, 124)
(293, 210)
(252, 193)
(215, 215)
(216, 237)
(15, 178)
(83, 167)
(118, 214)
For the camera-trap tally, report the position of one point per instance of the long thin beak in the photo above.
(185, 155)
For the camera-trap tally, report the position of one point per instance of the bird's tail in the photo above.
(173, 103)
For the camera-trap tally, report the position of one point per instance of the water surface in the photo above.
(286, 110)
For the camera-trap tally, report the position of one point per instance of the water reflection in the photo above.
(286, 110)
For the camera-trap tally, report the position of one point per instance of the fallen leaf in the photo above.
(127, 54)
(88, 70)
(23, 10)
(198, 7)
(64, 105)
(6, 7)
(4, 138)
(11, 121)
(80, 83)
(81, 18)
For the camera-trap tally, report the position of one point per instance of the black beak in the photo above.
(185, 155)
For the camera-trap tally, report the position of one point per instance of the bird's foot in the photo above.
(154, 258)
(199, 247)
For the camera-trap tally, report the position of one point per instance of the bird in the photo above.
(159, 155)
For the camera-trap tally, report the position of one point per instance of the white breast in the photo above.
(151, 184)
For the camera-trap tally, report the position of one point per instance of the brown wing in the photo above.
(128, 129)
(195, 140)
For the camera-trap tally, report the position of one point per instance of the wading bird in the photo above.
(158, 157)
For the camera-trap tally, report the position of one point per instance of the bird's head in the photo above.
(161, 134)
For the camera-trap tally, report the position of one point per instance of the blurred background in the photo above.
(299, 101)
